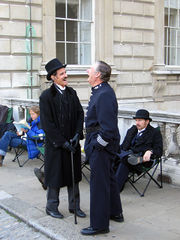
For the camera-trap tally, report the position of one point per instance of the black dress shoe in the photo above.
(118, 218)
(79, 213)
(92, 231)
(55, 214)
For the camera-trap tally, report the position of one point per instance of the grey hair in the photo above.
(104, 69)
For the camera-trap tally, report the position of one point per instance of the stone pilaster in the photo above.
(49, 39)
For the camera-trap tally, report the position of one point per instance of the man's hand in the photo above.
(147, 156)
(75, 140)
(67, 146)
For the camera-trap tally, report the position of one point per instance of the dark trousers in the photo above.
(124, 168)
(53, 198)
(121, 175)
(104, 196)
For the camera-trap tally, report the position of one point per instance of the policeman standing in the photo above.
(102, 140)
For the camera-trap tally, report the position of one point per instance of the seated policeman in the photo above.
(142, 143)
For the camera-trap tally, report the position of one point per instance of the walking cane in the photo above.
(72, 165)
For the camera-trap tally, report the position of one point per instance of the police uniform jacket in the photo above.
(62, 117)
(102, 115)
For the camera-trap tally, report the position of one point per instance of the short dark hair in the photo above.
(54, 73)
(104, 69)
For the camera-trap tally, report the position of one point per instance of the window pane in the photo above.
(86, 9)
(85, 32)
(60, 30)
(166, 17)
(171, 3)
(85, 54)
(166, 36)
(172, 56)
(71, 31)
(174, 4)
(60, 52)
(73, 9)
(172, 38)
(172, 31)
(72, 53)
(178, 38)
(173, 18)
(60, 8)
(178, 56)
(166, 55)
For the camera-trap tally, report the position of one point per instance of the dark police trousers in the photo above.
(53, 198)
(104, 197)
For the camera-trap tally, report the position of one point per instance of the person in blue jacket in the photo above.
(13, 139)
(102, 141)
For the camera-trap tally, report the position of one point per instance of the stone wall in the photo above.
(134, 47)
(144, 80)
(15, 59)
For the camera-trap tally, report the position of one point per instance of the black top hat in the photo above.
(52, 66)
(142, 114)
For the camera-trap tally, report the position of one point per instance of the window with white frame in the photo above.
(73, 31)
(172, 32)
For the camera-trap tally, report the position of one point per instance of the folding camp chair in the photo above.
(84, 165)
(18, 152)
(146, 171)
(21, 149)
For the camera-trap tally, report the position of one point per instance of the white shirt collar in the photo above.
(59, 86)
(139, 131)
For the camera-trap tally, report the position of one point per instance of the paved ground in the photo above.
(157, 215)
(12, 228)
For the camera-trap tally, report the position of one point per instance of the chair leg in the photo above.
(84, 166)
(18, 153)
(42, 166)
(140, 194)
(151, 178)
(85, 177)
(161, 173)
(133, 180)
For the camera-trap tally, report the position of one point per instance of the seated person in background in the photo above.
(13, 139)
(141, 144)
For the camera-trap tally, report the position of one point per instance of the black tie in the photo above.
(136, 137)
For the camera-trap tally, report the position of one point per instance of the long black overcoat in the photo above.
(151, 139)
(61, 119)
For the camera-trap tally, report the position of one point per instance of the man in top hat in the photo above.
(62, 120)
(144, 141)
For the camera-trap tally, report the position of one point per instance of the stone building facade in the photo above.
(128, 34)
(138, 38)
(15, 48)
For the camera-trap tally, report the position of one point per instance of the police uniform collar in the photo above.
(97, 86)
